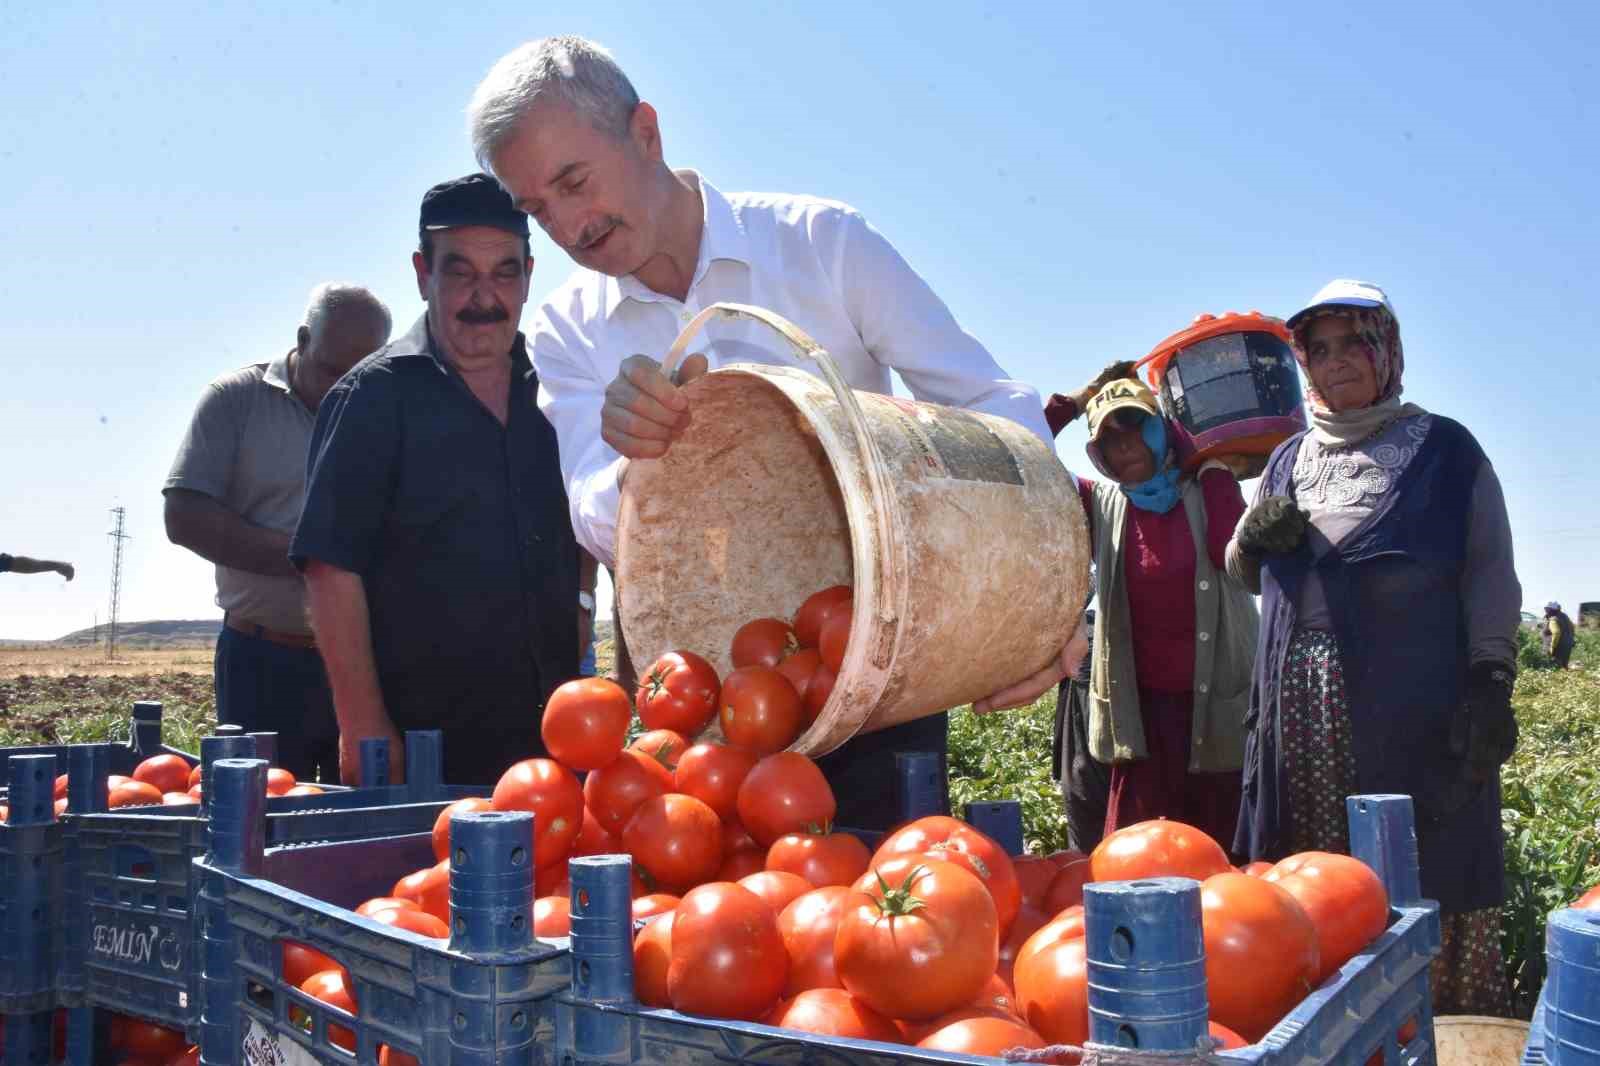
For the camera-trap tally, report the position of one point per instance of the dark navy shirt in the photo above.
(459, 528)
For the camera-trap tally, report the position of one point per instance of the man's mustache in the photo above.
(482, 317)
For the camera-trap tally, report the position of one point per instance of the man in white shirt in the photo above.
(561, 127)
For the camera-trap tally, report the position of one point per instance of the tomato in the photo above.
(441, 824)
(1261, 951)
(652, 956)
(727, 957)
(712, 773)
(388, 1056)
(385, 903)
(60, 806)
(997, 995)
(764, 642)
(760, 710)
(775, 888)
(1589, 901)
(192, 1058)
(176, 799)
(799, 668)
(735, 837)
(982, 1035)
(194, 775)
(305, 790)
(784, 793)
(648, 906)
(410, 886)
(1029, 921)
(113, 780)
(1230, 1039)
(130, 793)
(917, 938)
(678, 692)
(140, 1039)
(615, 790)
(1065, 926)
(950, 839)
(1066, 888)
(552, 916)
(676, 838)
(1343, 898)
(549, 790)
(1052, 982)
(832, 1012)
(817, 693)
(819, 857)
(433, 891)
(413, 921)
(279, 781)
(331, 988)
(1255, 869)
(585, 722)
(195, 792)
(301, 961)
(593, 838)
(1157, 848)
(737, 865)
(168, 773)
(808, 925)
(662, 745)
(835, 639)
(815, 612)
(1034, 874)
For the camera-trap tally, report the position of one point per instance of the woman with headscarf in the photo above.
(1174, 635)
(1380, 545)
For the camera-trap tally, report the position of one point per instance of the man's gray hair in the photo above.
(335, 297)
(572, 69)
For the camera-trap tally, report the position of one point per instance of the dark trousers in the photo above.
(1562, 654)
(1085, 783)
(270, 688)
(475, 756)
(862, 772)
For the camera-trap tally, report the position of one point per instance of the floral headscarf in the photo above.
(1380, 333)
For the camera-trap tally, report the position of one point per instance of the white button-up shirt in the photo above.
(817, 263)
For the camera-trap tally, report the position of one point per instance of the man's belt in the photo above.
(250, 629)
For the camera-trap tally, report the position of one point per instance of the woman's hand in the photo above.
(1029, 689)
(1275, 525)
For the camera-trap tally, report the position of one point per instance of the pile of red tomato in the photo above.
(168, 779)
(133, 1042)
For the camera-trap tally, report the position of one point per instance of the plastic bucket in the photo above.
(1470, 1040)
(962, 534)
(1572, 989)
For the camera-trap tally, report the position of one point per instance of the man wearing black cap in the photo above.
(441, 571)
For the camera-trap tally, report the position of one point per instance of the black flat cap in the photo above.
(475, 200)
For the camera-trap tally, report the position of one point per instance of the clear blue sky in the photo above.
(1076, 181)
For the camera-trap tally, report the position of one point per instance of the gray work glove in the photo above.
(1275, 525)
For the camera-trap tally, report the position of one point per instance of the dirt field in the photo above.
(49, 661)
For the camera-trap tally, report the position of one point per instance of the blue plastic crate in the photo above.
(1354, 1013)
(482, 997)
(143, 741)
(131, 941)
(1566, 1024)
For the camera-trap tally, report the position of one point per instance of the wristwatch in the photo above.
(586, 601)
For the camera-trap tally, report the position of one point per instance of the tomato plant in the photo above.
(676, 838)
(1261, 951)
(815, 612)
(822, 858)
(784, 793)
(549, 790)
(760, 710)
(168, 773)
(1158, 848)
(764, 642)
(441, 824)
(728, 959)
(916, 938)
(808, 926)
(712, 774)
(678, 692)
(585, 722)
(1343, 898)
(615, 791)
(832, 1012)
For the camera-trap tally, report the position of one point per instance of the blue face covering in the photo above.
(1160, 493)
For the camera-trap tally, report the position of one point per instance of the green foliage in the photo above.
(1551, 802)
(1004, 756)
(77, 709)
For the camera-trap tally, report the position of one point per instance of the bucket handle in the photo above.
(871, 457)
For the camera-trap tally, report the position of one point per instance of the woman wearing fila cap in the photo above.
(1381, 548)
(1174, 635)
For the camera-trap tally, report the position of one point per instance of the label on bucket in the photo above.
(262, 1047)
(954, 444)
